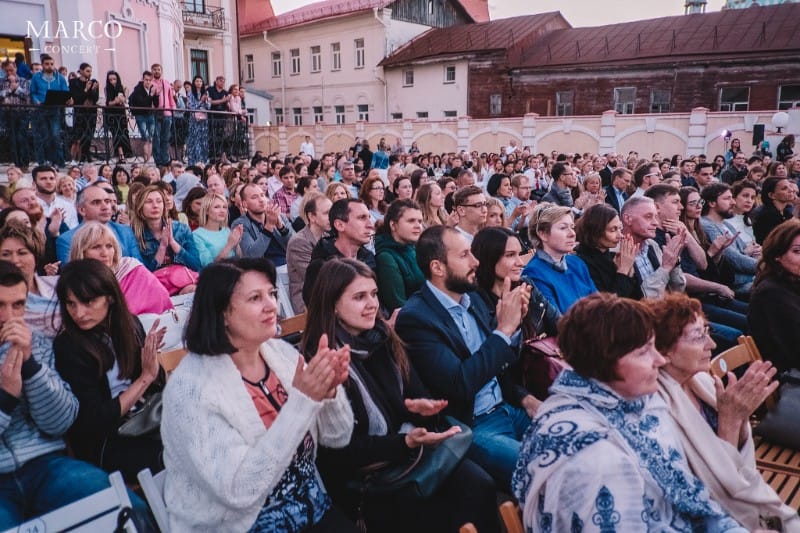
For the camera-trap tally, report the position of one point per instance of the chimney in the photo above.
(695, 6)
(253, 11)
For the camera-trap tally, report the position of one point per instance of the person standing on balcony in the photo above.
(48, 120)
(85, 92)
(162, 89)
(219, 99)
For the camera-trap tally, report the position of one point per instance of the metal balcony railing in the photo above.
(203, 16)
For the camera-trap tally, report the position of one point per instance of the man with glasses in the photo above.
(470, 205)
(645, 177)
(736, 171)
(521, 197)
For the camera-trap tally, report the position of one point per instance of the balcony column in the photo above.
(608, 132)
(229, 55)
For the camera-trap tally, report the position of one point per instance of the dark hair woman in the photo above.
(785, 148)
(777, 197)
(386, 393)
(114, 116)
(121, 180)
(395, 254)
(102, 352)
(245, 395)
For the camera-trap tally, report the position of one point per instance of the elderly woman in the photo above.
(562, 276)
(142, 290)
(774, 312)
(602, 453)
(713, 421)
(243, 414)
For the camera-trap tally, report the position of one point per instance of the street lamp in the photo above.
(780, 120)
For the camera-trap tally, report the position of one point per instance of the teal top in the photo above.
(399, 276)
(210, 244)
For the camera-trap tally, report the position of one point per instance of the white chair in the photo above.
(91, 514)
(285, 309)
(153, 488)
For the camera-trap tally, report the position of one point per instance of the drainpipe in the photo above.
(283, 75)
(385, 51)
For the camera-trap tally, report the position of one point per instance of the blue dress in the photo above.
(197, 140)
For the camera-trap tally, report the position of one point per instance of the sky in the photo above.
(577, 12)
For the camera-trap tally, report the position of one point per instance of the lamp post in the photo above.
(780, 120)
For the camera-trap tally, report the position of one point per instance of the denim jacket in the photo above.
(188, 256)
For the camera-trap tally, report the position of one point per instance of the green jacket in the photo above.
(399, 275)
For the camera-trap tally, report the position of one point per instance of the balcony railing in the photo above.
(203, 17)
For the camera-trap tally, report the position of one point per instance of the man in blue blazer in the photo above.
(462, 355)
(616, 193)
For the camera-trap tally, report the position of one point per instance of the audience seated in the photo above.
(399, 275)
(469, 205)
(143, 292)
(386, 395)
(95, 204)
(266, 232)
(314, 211)
(351, 230)
(774, 311)
(777, 199)
(214, 239)
(167, 246)
(243, 414)
(713, 420)
(23, 247)
(462, 355)
(103, 354)
(602, 449)
(36, 410)
(561, 276)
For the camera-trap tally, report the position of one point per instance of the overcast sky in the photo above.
(577, 12)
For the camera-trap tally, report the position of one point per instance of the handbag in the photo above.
(541, 365)
(146, 420)
(172, 319)
(422, 477)
(781, 425)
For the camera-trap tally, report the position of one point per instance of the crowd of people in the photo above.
(50, 114)
(426, 281)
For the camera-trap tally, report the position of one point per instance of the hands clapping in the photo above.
(327, 370)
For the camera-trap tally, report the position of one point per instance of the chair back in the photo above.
(153, 488)
(734, 357)
(512, 519)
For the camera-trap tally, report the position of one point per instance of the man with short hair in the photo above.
(286, 195)
(736, 171)
(45, 180)
(266, 232)
(464, 177)
(521, 189)
(274, 182)
(703, 175)
(165, 96)
(617, 192)
(657, 271)
(560, 192)
(48, 120)
(89, 177)
(307, 147)
(219, 99)
(348, 174)
(687, 173)
(606, 173)
(85, 93)
(93, 203)
(462, 352)
(470, 205)
(645, 177)
(351, 230)
(25, 198)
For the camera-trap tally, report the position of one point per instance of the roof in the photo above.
(490, 36)
(753, 31)
(478, 10)
(259, 93)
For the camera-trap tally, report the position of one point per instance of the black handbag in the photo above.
(781, 425)
(145, 421)
(423, 476)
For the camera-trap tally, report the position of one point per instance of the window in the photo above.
(564, 100)
(316, 59)
(450, 74)
(249, 67)
(279, 115)
(397, 116)
(408, 77)
(294, 53)
(297, 115)
(277, 70)
(251, 116)
(195, 6)
(624, 99)
(336, 56)
(451, 114)
(789, 96)
(422, 115)
(199, 63)
(363, 112)
(430, 7)
(318, 116)
(659, 101)
(360, 57)
(495, 104)
(734, 98)
(339, 110)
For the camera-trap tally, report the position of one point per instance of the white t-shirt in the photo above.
(308, 149)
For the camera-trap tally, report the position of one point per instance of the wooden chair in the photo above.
(295, 324)
(170, 360)
(732, 358)
(97, 512)
(153, 488)
(511, 516)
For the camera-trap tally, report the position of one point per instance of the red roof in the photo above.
(755, 30)
(491, 36)
(478, 10)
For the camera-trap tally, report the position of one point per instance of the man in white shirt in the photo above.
(45, 180)
(308, 147)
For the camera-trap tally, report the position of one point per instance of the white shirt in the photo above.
(308, 149)
(70, 214)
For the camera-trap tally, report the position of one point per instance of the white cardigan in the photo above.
(221, 462)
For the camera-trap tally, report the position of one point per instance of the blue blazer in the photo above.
(611, 198)
(442, 359)
(127, 242)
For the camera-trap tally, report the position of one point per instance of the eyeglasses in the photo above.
(653, 174)
(697, 203)
(700, 336)
(476, 205)
(377, 188)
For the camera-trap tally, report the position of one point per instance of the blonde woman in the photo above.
(214, 239)
(431, 201)
(337, 191)
(142, 290)
(495, 214)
